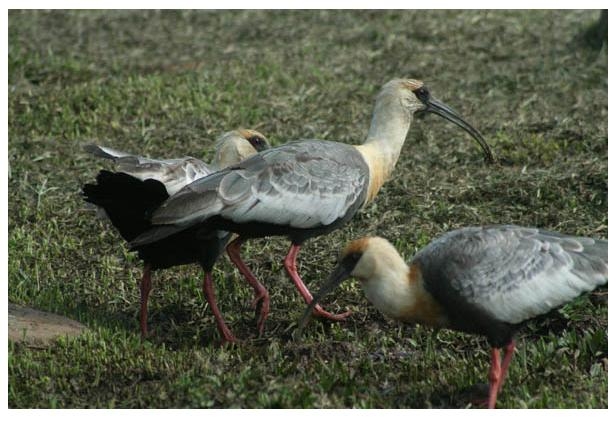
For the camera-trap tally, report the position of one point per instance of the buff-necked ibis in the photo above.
(141, 184)
(482, 280)
(301, 189)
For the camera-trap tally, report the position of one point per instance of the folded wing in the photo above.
(514, 273)
(303, 185)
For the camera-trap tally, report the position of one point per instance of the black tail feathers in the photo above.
(127, 200)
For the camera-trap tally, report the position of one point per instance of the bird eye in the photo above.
(257, 142)
(422, 94)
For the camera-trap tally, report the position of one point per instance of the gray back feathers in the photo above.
(514, 273)
(303, 185)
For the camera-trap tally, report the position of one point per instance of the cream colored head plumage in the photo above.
(393, 287)
(384, 276)
(237, 145)
(375, 257)
(405, 91)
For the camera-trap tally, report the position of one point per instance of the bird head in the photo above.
(237, 145)
(416, 98)
(256, 139)
(403, 90)
(374, 261)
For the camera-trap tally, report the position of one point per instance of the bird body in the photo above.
(273, 192)
(141, 185)
(301, 189)
(480, 280)
(506, 275)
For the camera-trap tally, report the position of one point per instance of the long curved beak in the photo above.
(340, 273)
(437, 107)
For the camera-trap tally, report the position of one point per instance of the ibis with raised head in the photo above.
(481, 280)
(141, 184)
(300, 189)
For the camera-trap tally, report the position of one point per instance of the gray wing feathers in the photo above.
(173, 173)
(515, 273)
(104, 152)
(303, 184)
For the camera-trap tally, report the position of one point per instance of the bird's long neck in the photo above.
(398, 291)
(388, 129)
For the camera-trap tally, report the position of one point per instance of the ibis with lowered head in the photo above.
(481, 280)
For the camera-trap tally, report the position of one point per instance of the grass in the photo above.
(167, 83)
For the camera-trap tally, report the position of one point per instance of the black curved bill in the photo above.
(437, 107)
(340, 273)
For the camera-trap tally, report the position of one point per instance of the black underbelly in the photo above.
(498, 333)
(186, 247)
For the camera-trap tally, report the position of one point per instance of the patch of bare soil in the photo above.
(39, 328)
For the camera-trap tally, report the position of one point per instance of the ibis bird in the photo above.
(300, 189)
(141, 184)
(482, 280)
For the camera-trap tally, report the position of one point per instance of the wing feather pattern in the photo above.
(173, 173)
(304, 184)
(514, 273)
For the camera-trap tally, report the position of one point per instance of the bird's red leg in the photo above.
(509, 350)
(145, 286)
(291, 267)
(494, 377)
(261, 294)
(208, 291)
